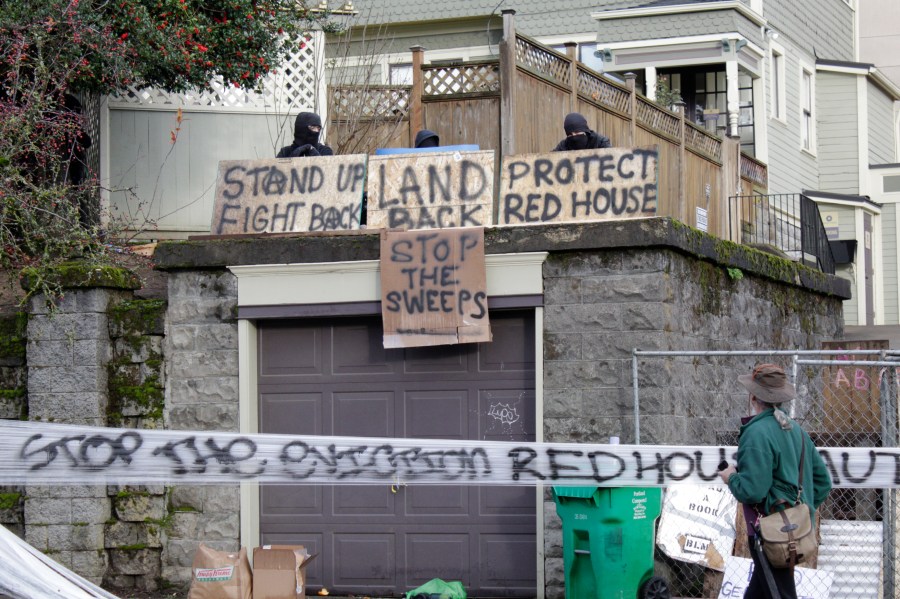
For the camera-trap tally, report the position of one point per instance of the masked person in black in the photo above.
(307, 127)
(427, 139)
(579, 136)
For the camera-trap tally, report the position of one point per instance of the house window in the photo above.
(586, 55)
(807, 125)
(891, 183)
(401, 74)
(777, 81)
(745, 117)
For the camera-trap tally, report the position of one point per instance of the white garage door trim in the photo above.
(349, 282)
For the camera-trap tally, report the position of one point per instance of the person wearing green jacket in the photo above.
(768, 466)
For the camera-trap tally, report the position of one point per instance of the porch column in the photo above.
(732, 96)
(650, 77)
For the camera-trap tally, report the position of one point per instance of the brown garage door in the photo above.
(335, 378)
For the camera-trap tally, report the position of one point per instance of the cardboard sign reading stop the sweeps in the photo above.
(289, 195)
(433, 190)
(581, 186)
(433, 287)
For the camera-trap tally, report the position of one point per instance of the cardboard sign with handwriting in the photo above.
(433, 287)
(581, 186)
(431, 191)
(289, 195)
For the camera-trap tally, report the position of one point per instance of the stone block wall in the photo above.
(67, 353)
(96, 359)
(13, 405)
(601, 305)
(201, 350)
(133, 535)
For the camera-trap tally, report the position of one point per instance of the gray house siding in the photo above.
(790, 168)
(838, 106)
(533, 17)
(668, 26)
(850, 316)
(881, 126)
(823, 27)
(395, 43)
(889, 260)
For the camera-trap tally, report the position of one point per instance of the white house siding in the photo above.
(889, 261)
(881, 126)
(790, 169)
(178, 196)
(823, 27)
(838, 106)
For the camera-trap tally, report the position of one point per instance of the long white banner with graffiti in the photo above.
(38, 453)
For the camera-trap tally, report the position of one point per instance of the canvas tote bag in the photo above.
(788, 536)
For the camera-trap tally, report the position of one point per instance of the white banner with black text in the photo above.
(39, 453)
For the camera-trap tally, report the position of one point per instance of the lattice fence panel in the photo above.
(753, 170)
(293, 84)
(603, 92)
(461, 79)
(697, 139)
(542, 61)
(368, 102)
(653, 116)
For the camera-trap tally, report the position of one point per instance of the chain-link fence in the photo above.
(845, 398)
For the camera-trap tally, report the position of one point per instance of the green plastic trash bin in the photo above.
(608, 542)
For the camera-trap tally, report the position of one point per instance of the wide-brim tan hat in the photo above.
(768, 383)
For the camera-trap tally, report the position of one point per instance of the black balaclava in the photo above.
(574, 123)
(427, 139)
(302, 134)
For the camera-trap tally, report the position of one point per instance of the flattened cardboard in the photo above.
(579, 186)
(433, 288)
(279, 571)
(289, 195)
(436, 190)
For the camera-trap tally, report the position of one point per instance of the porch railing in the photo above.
(790, 223)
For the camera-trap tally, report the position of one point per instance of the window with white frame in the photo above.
(807, 109)
(776, 78)
(400, 74)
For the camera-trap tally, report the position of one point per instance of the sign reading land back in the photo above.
(433, 287)
(582, 186)
(283, 195)
(430, 191)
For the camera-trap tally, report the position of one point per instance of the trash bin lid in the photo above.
(579, 492)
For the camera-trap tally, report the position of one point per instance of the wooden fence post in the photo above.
(572, 53)
(731, 188)
(508, 84)
(632, 108)
(416, 116)
(682, 164)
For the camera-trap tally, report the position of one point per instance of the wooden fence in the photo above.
(516, 105)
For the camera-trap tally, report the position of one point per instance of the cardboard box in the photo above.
(279, 571)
